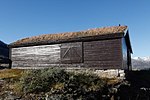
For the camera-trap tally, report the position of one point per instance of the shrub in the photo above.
(35, 81)
(81, 85)
(62, 84)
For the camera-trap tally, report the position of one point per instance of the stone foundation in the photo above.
(109, 73)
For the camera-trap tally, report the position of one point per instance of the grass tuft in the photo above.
(10, 73)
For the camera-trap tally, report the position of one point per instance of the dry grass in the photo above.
(70, 35)
(10, 73)
(113, 81)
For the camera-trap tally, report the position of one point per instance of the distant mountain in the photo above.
(141, 62)
(2, 44)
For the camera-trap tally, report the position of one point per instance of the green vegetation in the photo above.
(54, 83)
(61, 83)
(58, 84)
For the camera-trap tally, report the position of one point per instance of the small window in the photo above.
(71, 53)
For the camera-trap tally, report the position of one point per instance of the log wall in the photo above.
(103, 54)
(35, 56)
(106, 54)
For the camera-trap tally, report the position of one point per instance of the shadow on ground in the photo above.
(138, 87)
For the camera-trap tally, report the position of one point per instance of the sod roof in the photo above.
(36, 40)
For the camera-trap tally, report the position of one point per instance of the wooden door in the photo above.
(71, 53)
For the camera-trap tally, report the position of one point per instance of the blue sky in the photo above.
(25, 18)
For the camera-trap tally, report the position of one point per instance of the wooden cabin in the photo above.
(99, 48)
(4, 55)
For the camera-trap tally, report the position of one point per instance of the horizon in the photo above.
(20, 19)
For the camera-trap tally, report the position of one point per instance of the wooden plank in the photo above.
(105, 53)
(97, 54)
(36, 55)
(71, 53)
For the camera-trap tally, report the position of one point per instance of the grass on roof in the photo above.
(70, 35)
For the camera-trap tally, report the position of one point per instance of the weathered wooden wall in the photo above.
(103, 54)
(71, 53)
(106, 54)
(35, 56)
